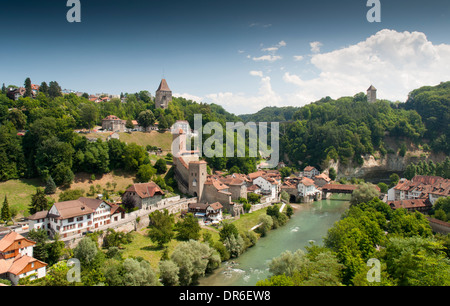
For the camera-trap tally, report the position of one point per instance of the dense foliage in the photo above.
(402, 242)
(346, 128)
(51, 149)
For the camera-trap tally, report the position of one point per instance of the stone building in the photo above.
(372, 94)
(163, 95)
(142, 195)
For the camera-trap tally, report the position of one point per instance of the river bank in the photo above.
(310, 222)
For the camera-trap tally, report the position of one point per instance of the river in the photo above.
(309, 222)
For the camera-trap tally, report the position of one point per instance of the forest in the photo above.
(349, 127)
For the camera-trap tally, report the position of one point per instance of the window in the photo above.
(70, 220)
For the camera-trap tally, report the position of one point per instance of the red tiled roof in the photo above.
(145, 190)
(163, 86)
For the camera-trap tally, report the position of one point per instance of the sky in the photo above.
(243, 55)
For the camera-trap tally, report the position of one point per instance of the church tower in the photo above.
(372, 94)
(163, 95)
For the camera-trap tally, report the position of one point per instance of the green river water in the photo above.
(310, 222)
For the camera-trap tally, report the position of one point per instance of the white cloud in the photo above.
(394, 62)
(269, 58)
(275, 48)
(298, 57)
(241, 103)
(188, 96)
(256, 73)
(315, 46)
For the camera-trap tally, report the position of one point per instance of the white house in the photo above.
(306, 188)
(267, 185)
(69, 218)
(207, 212)
(16, 259)
(310, 172)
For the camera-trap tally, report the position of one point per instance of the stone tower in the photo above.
(371, 94)
(197, 178)
(163, 95)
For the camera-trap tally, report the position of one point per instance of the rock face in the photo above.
(379, 167)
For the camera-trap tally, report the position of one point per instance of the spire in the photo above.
(163, 86)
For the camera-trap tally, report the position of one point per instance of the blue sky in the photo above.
(243, 55)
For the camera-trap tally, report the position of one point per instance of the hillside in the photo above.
(348, 130)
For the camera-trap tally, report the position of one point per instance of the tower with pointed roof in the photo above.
(372, 94)
(163, 95)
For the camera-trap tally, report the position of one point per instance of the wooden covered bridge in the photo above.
(340, 188)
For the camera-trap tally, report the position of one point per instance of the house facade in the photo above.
(16, 259)
(75, 217)
(206, 212)
(142, 195)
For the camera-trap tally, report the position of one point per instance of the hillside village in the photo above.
(211, 197)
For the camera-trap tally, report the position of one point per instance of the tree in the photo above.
(18, 118)
(266, 224)
(50, 186)
(235, 245)
(129, 124)
(160, 166)
(138, 273)
(145, 173)
(188, 228)
(161, 229)
(393, 178)
(332, 173)
(70, 194)
(27, 85)
(168, 272)
(38, 202)
(6, 214)
(364, 193)
(417, 261)
(44, 88)
(85, 251)
(88, 115)
(54, 90)
(193, 259)
(383, 187)
(146, 119)
(228, 230)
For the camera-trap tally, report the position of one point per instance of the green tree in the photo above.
(85, 251)
(145, 173)
(129, 124)
(364, 193)
(27, 85)
(161, 166)
(54, 90)
(5, 214)
(138, 273)
(146, 119)
(193, 259)
(188, 228)
(88, 115)
(39, 202)
(44, 88)
(161, 228)
(168, 272)
(332, 173)
(50, 186)
(417, 261)
(227, 230)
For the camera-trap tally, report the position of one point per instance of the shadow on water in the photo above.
(310, 222)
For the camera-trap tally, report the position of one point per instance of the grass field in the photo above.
(19, 193)
(154, 138)
(143, 247)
